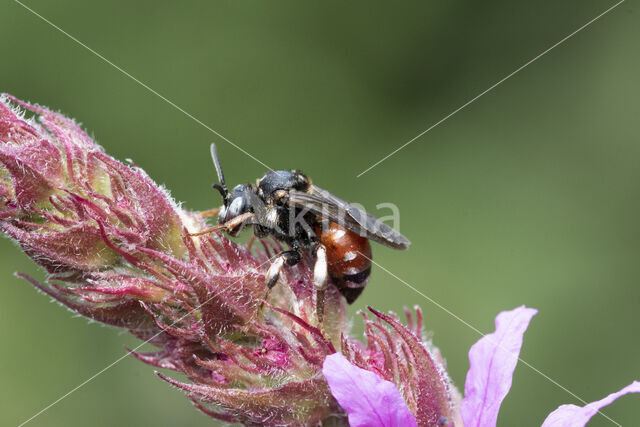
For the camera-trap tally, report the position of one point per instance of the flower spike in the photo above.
(118, 250)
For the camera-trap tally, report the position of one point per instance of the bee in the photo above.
(285, 204)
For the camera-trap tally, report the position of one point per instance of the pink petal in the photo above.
(368, 399)
(576, 416)
(492, 362)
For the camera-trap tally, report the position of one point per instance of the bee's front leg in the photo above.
(209, 213)
(251, 241)
(229, 225)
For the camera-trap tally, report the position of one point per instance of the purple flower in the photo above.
(365, 396)
(572, 415)
(116, 249)
(492, 362)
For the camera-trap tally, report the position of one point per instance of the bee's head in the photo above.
(237, 202)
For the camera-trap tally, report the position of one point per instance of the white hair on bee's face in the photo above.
(235, 207)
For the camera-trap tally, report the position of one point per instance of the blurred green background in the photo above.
(527, 196)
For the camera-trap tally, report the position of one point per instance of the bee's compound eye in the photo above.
(302, 181)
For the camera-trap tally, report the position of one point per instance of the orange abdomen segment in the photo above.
(348, 258)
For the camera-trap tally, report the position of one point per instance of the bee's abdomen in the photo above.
(348, 259)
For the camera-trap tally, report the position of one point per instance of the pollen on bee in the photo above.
(279, 194)
(338, 234)
(349, 256)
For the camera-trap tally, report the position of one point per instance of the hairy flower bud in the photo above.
(403, 356)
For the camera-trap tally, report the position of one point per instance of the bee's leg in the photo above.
(273, 273)
(208, 213)
(320, 277)
(252, 239)
(229, 225)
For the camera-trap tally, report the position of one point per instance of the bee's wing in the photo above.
(325, 204)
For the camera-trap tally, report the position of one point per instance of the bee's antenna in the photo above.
(221, 187)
